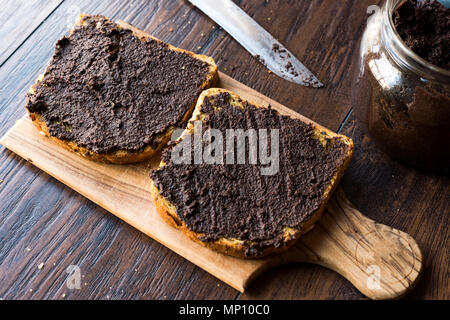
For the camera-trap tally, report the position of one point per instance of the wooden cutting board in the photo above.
(382, 262)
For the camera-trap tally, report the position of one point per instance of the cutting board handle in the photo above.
(382, 262)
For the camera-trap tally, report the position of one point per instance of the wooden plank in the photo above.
(391, 193)
(343, 240)
(116, 261)
(18, 20)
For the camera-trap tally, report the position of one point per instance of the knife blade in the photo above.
(260, 43)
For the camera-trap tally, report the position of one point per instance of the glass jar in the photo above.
(402, 100)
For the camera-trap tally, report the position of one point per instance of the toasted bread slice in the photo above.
(143, 144)
(168, 183)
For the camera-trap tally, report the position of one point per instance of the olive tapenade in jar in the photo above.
(401, 92)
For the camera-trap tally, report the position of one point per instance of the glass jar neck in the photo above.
(402, 55)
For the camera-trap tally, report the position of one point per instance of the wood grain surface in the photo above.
(18, 20)
(41, 214)
(345, 241)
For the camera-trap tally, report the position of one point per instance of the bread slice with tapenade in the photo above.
(234, 208)
(113, 93)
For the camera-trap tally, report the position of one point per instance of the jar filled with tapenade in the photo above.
(401, 92)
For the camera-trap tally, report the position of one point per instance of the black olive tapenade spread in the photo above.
(107, 90)
(235, 200)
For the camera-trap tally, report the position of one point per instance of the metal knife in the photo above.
(257, 41)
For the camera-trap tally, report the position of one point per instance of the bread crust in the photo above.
(236, 247)
(124, 156)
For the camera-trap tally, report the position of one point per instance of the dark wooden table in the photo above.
(46, 227)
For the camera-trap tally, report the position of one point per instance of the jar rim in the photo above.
(402, 53)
